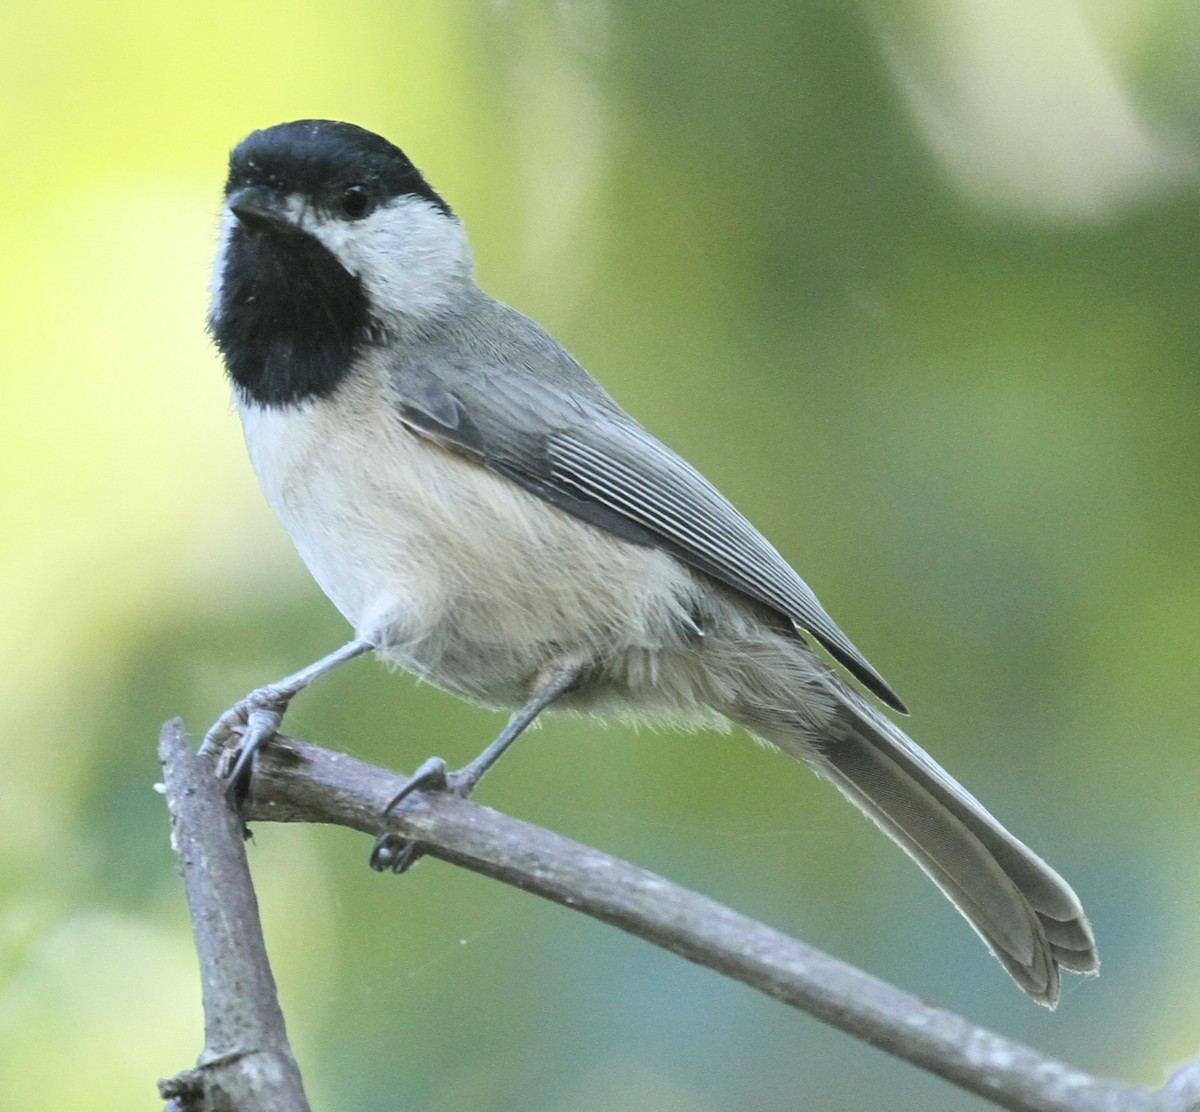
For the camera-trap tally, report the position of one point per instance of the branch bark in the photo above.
(247, 1064)
(297, 782)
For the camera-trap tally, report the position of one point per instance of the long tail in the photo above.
(1023, 910)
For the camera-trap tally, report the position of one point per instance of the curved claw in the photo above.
(256, 718)
(432, 775)
(261, 725)
(391, 852)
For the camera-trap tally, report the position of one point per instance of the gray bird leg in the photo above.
(261, 712)
(396, 853)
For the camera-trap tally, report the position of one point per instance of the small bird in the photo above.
(485, 515)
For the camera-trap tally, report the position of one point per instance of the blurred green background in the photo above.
(913, 282)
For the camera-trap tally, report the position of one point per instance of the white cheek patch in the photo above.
(413, 259)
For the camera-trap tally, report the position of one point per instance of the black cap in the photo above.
(320, 159)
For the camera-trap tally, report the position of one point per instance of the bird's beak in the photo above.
(260, 208)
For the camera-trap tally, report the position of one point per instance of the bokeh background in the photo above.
(913, 282)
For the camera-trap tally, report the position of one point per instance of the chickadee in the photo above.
(485, 515)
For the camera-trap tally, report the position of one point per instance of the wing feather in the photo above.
(593, 461)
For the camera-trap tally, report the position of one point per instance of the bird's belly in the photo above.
(460, 575)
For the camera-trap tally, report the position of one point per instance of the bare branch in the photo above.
(296, 782)
(247, 1064)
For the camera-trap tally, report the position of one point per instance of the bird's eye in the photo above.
(356, 201)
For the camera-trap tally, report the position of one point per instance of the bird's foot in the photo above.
(393, 853)
(241, 731)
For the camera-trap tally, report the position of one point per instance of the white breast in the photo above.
(471, 582)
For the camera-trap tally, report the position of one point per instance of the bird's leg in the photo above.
(260, 713)
(398, 854)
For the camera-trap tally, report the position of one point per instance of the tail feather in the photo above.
(1023, 911)
(1027, 915)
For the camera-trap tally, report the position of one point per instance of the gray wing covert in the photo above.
(599, 465)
